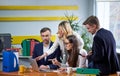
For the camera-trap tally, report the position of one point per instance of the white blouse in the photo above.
(82, 60)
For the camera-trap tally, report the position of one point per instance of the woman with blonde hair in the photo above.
(64, 29)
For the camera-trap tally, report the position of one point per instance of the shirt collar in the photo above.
(48, 44)
(96, 32)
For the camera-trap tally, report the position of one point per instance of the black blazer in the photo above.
(38, 50)
(104, 55)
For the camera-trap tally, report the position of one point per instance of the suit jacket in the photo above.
(38, 51)
(104, 55)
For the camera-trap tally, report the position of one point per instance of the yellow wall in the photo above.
(65, 7)
(19, 39)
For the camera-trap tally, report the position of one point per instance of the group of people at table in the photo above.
(67, 49)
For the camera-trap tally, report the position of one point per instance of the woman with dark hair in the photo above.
(76, 57)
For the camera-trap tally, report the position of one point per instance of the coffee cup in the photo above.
(22, 68)
(69, 70)
(118, 73)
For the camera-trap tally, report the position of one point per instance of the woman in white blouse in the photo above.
(64, 29)
(76, 57)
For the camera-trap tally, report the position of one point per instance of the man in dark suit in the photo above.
(103, 55)
(42, 47)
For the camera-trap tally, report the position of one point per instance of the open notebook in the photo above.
(35, 67)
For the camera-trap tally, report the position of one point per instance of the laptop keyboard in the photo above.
(45, 70)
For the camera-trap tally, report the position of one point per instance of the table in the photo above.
(34, 73)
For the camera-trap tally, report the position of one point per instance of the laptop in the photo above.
(35, 67)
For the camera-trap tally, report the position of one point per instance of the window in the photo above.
(108, 14)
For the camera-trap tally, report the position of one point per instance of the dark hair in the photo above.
(45, 29)
(92, 20)
(73, 54)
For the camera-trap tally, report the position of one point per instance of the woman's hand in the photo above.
(40, 57)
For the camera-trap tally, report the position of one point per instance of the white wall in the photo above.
(33, 27)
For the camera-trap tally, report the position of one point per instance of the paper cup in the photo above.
(118, 73)
(69, 70)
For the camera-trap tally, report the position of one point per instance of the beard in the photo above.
(46, 41)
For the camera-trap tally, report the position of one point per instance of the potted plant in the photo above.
(85, 35)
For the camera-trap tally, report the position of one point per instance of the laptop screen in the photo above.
(35, 67)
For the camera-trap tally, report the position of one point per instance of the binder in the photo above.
(87, 71)
(26, 48)
(33, 42)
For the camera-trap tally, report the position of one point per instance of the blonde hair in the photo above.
(66, 28)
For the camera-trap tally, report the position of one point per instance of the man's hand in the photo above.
(62, 69)
(43, 67)
(89, 53)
